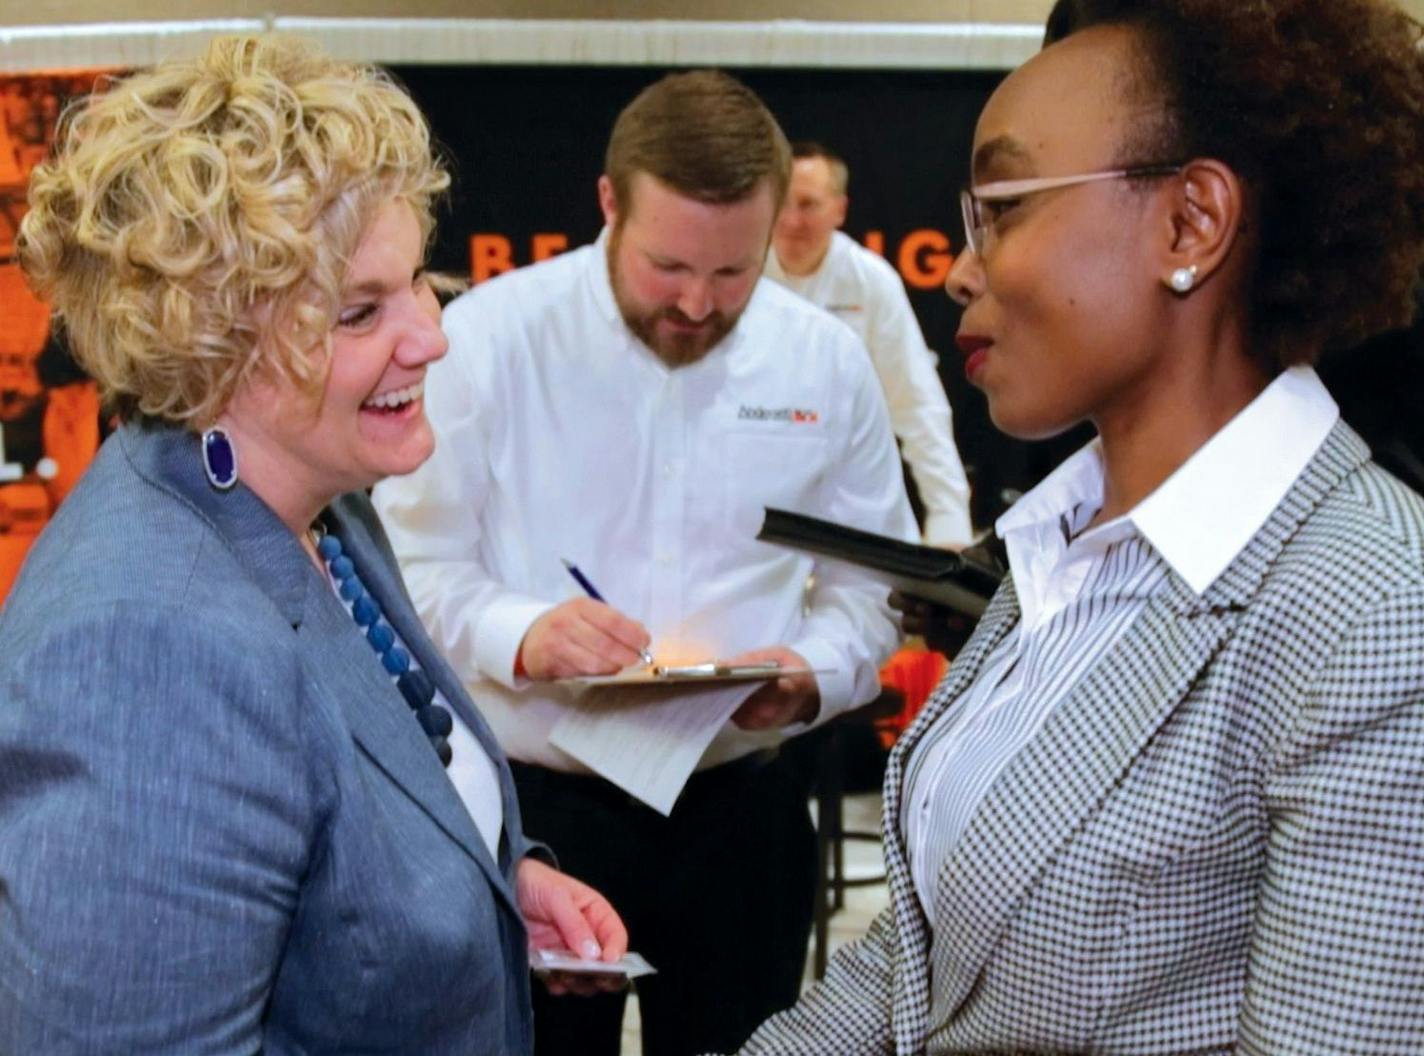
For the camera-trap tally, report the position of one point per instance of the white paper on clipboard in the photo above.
(647, 736)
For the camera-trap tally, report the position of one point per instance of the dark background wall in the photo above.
(526, 144)
(527, 147)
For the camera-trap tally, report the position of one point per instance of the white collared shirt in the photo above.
(862, 290)
(560, 435)
(1079, 591)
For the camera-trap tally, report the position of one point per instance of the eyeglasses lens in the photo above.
(973, 229)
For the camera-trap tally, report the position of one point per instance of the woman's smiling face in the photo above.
(1060, 309)
(370, 422)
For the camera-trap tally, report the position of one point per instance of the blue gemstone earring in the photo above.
(219, 458)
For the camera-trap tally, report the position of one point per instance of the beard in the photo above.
(679, 348)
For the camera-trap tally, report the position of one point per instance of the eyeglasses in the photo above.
(978, 225)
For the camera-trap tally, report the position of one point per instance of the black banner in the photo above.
(527, 144)
(527, 147)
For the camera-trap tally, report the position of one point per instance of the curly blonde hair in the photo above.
(196, 221)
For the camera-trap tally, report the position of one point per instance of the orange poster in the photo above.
(49, 414)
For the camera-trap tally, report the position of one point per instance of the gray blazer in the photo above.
(1216, 842)
(221, 828)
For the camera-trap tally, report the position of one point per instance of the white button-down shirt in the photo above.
(862, 290)
(560, 435)
(1080, 590)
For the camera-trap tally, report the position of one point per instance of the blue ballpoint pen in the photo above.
(592, 592)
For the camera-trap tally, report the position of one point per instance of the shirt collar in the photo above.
(600, 284)
(772, 269)
(1077, 481)
(1205, 513)
(1036, 530)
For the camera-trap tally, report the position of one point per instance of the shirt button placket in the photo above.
(669, 497)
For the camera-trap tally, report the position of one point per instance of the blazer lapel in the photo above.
(169, 457)
(382, 577)
(1092, 738)
(1060, 776)
(911, 988)
(383, 725)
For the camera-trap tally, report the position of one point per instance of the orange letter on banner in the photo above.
(545, 246)
(875, 242)
(925, 259)
(489, 255)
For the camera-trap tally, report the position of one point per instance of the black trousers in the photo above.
(718, 897)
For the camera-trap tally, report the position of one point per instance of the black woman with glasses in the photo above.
(1169, 798)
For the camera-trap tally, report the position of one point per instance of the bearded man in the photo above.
(631, 407)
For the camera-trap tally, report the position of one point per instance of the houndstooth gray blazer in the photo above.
(1216, 842)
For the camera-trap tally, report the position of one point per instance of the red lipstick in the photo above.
(975, 349)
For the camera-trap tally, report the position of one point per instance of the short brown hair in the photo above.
(704, 134)
(835, 164)
(1319, 108)
(195, 223)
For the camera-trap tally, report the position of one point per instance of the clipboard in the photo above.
(705, 673)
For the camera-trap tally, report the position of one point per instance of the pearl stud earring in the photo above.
(1183, 279)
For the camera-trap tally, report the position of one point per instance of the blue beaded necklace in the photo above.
(414, 684)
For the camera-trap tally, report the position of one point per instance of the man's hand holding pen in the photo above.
(587, 636)
(785, 700)
(580, 637)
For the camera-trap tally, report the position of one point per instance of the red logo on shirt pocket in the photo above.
(778, 414)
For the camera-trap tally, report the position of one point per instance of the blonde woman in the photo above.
(225, 825)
